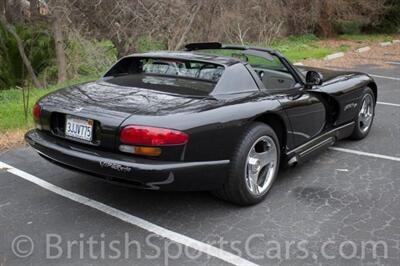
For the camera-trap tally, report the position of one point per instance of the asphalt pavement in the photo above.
(341, 207)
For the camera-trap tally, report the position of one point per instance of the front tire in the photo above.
(365, 116)
(254, 166)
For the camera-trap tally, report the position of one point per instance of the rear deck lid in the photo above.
(109, 105)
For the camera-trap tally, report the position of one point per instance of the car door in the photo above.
(304, 109)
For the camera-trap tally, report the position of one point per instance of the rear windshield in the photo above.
(173, 75)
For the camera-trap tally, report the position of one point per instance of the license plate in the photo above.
(79, 128)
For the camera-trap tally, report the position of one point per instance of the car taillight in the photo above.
(142, 135)
(36, 112)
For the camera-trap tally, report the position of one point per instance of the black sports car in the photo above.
(213, 117)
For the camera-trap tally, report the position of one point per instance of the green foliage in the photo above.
(349, 26)
(88, 57)
(297, 48)
(367, 37)
(296, 40)
(85, 57)
(11, 107)
(344, 48)
(390, 22)
(38, 45)
(146, 43)
(10, 63)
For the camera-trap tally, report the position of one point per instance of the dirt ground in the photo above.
(12, 139)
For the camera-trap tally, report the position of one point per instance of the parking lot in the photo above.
(341, 207)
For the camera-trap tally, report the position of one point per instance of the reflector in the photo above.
(149, 151)
(36, 112)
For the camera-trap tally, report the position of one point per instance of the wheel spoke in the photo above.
(255, 187)
(362, 111)
(265, 157)
(253, 153)
(252, 179)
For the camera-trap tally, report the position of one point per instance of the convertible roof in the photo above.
(217, 45)
(192, 52)
(189, 55)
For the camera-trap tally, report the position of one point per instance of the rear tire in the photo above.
(254, 167)
(365, 116)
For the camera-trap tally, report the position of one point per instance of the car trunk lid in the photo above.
(109, 105)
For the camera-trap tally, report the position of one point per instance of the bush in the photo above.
(349, 26)
(390, 22)
(39, 47)
(147, 43)
(88, 57)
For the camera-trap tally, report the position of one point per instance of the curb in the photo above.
(298, 64)
(334, 56)
(396, 41)
(363, 49)
(393, 63)
(385, 43)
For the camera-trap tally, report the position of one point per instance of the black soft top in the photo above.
(189, 55)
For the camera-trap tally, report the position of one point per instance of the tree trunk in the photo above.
(325, 27)
(2, 7)
(21, 50)
(60, 53)
(34, 8)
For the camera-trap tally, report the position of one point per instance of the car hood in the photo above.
(102, 97)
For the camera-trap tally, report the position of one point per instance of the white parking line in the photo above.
(362, 153)
(383, 77)
(389, 104)
(131, 219)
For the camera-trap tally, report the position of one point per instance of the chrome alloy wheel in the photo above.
(261, 165)
(366, 113)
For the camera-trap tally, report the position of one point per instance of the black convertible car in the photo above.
(213, 117)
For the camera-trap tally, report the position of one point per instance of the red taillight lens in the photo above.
(142, 135)
(36, 112)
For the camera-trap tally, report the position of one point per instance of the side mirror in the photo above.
(314, 78)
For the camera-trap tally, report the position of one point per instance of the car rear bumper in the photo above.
(129, 170)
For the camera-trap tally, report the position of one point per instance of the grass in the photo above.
(367, 37)
(12, 111)
(12, 115)
(299, 48)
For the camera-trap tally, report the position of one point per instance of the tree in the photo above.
(34, 8)
(56, 18)
(182, 39)
(60, 53)
(2, 7)
(21, 50)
